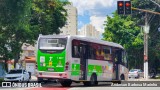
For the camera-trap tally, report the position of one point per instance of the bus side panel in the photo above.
(68, 57)
(102, 68)
(123, 70)
(74, 68)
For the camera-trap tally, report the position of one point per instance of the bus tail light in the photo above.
(60, 74)
(67, 63)
(67, 66)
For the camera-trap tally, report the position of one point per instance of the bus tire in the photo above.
(122, 77)
(66, 83)
(93, 80)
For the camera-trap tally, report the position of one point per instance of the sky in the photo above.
(94, 12)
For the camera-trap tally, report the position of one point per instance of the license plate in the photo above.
(50, 69)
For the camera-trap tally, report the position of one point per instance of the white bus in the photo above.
(79, 59)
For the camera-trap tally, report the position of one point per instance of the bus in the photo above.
(79, 59)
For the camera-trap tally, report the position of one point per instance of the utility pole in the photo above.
(146, 32)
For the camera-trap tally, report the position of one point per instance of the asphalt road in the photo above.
(79, 86)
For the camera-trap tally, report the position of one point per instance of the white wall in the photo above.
(30, 67)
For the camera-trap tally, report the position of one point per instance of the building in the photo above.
(71, 25)
(89, 30)
(27, 59)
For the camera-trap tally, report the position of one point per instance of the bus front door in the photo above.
(83, 62)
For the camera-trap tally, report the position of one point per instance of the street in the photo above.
(76, 86)
(80, 86)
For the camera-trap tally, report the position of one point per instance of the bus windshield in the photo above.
(52, 43)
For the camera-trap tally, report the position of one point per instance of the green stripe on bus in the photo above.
(91, 69)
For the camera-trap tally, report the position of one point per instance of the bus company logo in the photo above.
(6, 84)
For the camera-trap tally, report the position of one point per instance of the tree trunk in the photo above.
(6, 64)
(16, 58)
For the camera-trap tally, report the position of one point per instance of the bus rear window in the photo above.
(52, 43)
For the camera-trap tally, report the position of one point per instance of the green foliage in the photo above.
(123, 30)
(126, 31)
(47, 16)
(154, 34)
(21, 21)
(14, 23)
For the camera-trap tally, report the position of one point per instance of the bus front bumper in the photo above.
(56, 75)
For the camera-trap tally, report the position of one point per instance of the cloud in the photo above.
(95, 10)
(98, 22)
(80, 24)
(93, 7)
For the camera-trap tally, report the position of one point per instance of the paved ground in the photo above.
(79, 86)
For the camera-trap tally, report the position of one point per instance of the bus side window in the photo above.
(75, 50)
(92, 52)
(124, 59)
(107, 53)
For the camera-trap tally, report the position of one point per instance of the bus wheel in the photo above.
(66, 83)
(93, 80)
(122, 77)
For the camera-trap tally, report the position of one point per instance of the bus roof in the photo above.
(89, 39)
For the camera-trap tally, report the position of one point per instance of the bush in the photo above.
(1, 79)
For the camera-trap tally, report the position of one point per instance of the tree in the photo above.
(22, 20)
(126, 30)
(14, 27)
(123, 30)
(47, 17)
(154, 22)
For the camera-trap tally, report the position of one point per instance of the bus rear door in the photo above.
(83, 61)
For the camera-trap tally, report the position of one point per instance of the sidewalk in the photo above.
(143, 79)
